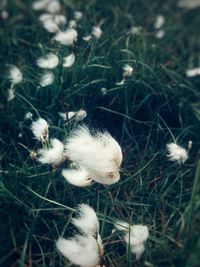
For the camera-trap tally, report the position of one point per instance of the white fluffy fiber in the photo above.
(15, 75)
(80, 250)
(52, 155)
(87, 220)
(40, 129)
(47, 79)
(177, 153)
(67, 37)
(78, 177)
(50, 61)
(69, 60)
(98, 153)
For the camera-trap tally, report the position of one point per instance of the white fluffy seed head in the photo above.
(160, 21)
(87, 221)
(138, 234)
(50, 61)
(128, 71)
(69, 60)
(78, 177)
(15, 75)
(122, 226)
(78, 15)
(96, 32)
(138, 250)
(193, 72)
(98, 153)
(177, 153)
(67, 37)
(53, 6)
(53, 155)
(40, 129)
(81, 250)
(47, 79)
(11, 94)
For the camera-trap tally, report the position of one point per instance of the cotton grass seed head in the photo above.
(98, 152)
(11, 94)
(50, 61)
(53, 155)
(177, 153)
(77, 177)
(127, 71)
(40, 130)
(87, 221)
(47, 79)
(69, 60)
(15, 75)
(67, 37)
(96, 32)
(82, 250)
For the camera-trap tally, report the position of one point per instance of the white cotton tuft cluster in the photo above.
(15, 75)
(53, 155)
(67, 37)
(84, 250)
(40, 130)
(78, 177)
(177, 153)
(95, 33)
(99, 153)
(52, 6)
(135, 236)
(193, 72)
(50, 61)
(51, 22)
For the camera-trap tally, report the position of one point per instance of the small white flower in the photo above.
(128, 71)
(98, 153)
(135, 236)
(53, 155)
(28, 116)
(11, 94)
(67, 37)
(96, 32)
(78, 177)
(81, 250)
(50, 61)
(69, 60)
(47, 79)
(177, 153)
(160, 21)
(40, 129)
(193, 72)
(87, 221)
(189, 4)
(78, 15)
(160, 34)
(15, 75)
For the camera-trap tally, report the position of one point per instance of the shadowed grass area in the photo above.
(157, 105)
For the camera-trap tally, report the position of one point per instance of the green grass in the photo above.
(155, 106)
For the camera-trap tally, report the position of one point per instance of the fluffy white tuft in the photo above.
(128, 71)
(99, 153)
(67, 37)
(177, 153)
(50, 61)
(53, 6)
(96, 32)
(80, 250)
(47, 79)
(160, 21)
(78, 15)
(78, 177)
(122, 226)
(69, 60)
(52, 155)
(40, 129)
(11, 94)
(160, 34)
(15, 75)
(193, 72)
(137, 235)
(87, 220)
(138, 250)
